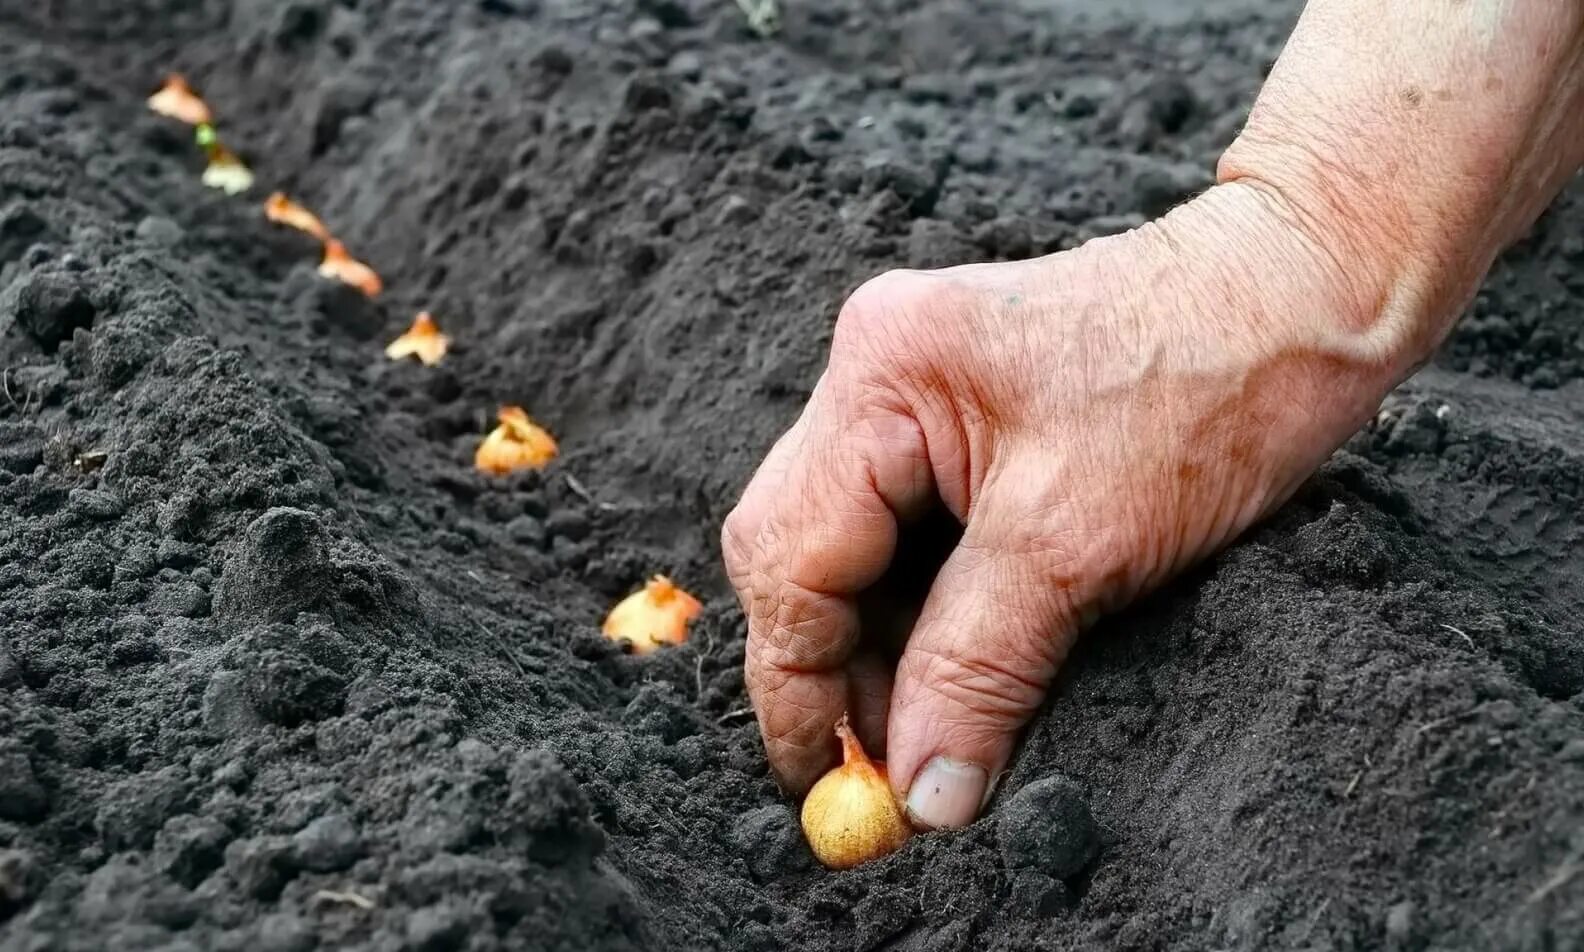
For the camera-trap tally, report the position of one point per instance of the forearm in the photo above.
(1411, 141)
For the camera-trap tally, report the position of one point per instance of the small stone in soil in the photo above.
(226, 711)
(50, 306)
(771, 843)
(261, 865)
(441, 928)
(1047, 826)
(328, 844)
(189, 848)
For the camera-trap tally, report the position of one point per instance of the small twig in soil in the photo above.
(1353, 785)
(346, 897)
(576, 485)
(1442, 722)
(500, 642)
(504, 648)
(27, 398)
(1460, 632)
(730, 715)
(1570, 867)
(698, 666)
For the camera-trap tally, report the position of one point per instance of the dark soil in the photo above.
(283, 673)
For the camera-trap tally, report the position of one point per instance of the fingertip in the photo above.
(797, 715)
(797, 769)
(869, 700)
(975, 670)
(947, 794)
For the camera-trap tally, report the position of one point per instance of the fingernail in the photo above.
(946, 794)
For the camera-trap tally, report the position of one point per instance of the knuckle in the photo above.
(875, 306)
(981, 686)
(735, 547)
(796, 714)
(904, 326)
(804, 630)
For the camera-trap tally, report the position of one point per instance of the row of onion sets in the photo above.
(850, 816)
(657, 614)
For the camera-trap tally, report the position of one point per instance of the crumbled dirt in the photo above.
(281, 672)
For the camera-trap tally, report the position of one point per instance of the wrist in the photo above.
(1407, 275)
(1312, 333)
(1414, 142)
(1345, 278)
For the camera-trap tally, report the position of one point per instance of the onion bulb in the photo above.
(282, 210)
(851, 816)
(422, 340)
(341, 266)
(225, 171)
(518, 443)
(655, 615)
(177, 100)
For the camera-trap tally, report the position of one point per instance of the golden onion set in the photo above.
(655, 615)
(850, 815)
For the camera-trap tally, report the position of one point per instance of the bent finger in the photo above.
(994, 629)
(829, 532)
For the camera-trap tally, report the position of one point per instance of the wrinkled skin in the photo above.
(1099, 419)
(1095, 419)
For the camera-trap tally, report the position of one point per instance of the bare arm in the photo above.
(1414, 141)
(1102, 418)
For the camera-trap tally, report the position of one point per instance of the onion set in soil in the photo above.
(657, 614)
(226, 170)
(422, 340)
(517, 443)
(177, 100)
(851, 816)
(283, 211)
(341, 266)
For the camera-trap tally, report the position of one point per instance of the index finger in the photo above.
(826, 532)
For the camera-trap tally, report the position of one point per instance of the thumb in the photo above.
(994, 629)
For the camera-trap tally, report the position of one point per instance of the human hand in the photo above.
(1096, 420)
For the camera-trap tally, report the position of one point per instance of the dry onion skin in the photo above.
(177, 100)
(338, 265)
(517, 443)
(283, 211)
(851, 816)
(655, 615)
(422, 340)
